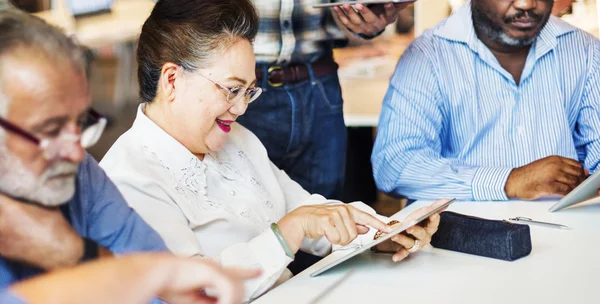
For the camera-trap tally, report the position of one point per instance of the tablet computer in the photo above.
(382, 239)
(365, 2)
(586, 190)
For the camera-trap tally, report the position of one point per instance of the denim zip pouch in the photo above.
(489, 238)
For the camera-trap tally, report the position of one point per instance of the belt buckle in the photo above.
(272, 69)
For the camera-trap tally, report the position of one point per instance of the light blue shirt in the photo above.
(97, 211)
(454, 123)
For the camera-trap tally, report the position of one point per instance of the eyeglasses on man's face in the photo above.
(91, 126)
(233, 94)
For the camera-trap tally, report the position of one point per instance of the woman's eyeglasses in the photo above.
(234, 93)
(91, 128)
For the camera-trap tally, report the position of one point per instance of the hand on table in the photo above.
(553, 175)
(416, 237)
(371, 20)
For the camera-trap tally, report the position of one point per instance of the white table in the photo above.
(563, 266)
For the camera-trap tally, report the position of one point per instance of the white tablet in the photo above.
(586, 190)
(365, 2)
(382, 239)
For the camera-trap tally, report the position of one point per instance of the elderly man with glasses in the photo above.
(57, 207)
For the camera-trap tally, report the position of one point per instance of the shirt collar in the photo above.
(459, 27)
(163, 147)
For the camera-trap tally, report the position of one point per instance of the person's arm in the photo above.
(159, 210)
(407, 156)
(296, 196)
(141, 278)
(587, 130)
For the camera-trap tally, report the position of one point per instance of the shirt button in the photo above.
(267, 219)
(233, 193)
(286, 24)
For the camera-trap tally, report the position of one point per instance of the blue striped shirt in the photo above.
(454, 123)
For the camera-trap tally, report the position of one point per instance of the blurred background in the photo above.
(110, 28)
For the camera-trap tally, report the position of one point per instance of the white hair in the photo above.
(56, 185)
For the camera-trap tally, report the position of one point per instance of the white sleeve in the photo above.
(162, 214)
(296, 196)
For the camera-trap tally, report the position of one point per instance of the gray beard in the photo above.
(503, 38)
(18, 182)
(495, 33)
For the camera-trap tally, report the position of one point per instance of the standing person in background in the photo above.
(299, 115)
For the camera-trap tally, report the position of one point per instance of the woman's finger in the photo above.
(433, 224)
(405, 241)
(340, 226)
(349, 222)
(419, 233)
(400, 255)
(331, 233)
(361, 229)
(365, 219)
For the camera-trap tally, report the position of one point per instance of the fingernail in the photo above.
(394, 259)
(389, 5)
(359, 7)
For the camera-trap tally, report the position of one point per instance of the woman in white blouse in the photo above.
(205, 183)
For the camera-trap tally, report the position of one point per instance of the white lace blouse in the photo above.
(221, 207)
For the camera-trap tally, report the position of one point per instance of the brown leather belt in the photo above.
(279, 75)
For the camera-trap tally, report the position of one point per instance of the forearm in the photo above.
(137, 282)
(422, 175)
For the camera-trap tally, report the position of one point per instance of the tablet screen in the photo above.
(382, 239)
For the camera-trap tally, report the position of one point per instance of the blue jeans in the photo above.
(302, 127)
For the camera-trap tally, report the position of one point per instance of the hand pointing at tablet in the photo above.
(339, 223)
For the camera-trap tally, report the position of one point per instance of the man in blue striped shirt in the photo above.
(498, 101)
